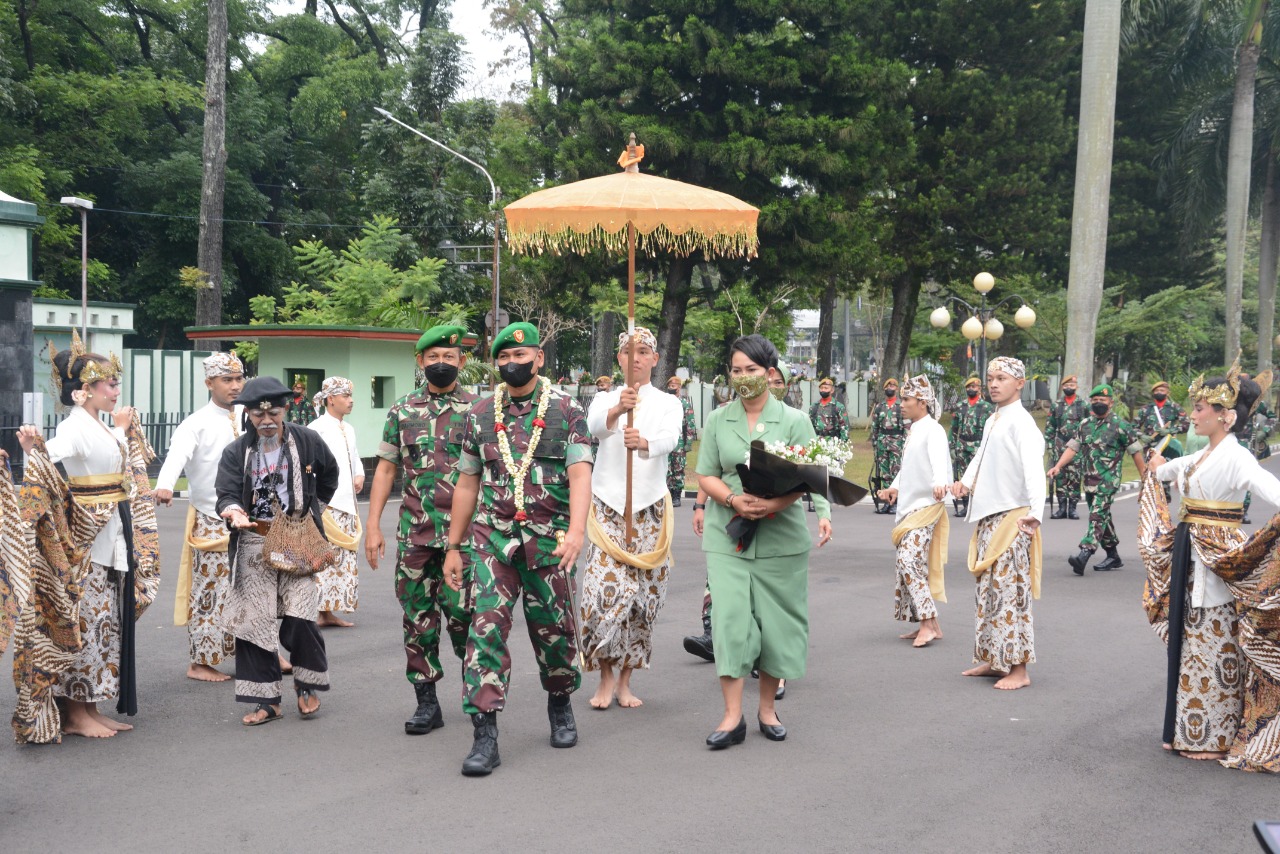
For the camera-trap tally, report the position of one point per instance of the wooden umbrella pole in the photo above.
(631, 356)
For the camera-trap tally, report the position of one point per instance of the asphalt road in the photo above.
(889, 748)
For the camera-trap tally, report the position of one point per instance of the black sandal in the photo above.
(304, 693)
(272, 715)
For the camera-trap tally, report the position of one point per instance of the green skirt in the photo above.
(760, 616)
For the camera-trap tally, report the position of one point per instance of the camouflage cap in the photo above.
(441, 336)
(516, 335)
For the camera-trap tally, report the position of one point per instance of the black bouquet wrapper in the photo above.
(770, 476)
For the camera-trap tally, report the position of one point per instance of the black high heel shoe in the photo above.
(722, 738)
(773, 732)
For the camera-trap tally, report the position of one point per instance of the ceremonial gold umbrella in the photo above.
(627, 208)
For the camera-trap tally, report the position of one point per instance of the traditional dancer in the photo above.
(340, 583)
(204, 576)
(423, 438)
(95, 557)
(921, 534)
(1210, 595)
(273, 468)
(625, 577)
(526, 457)
(1005, 485)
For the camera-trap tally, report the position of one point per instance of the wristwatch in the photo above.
(453, 547)
(697, 506)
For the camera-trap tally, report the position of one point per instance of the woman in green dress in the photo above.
(761, 590)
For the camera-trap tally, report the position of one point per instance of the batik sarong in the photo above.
(339, 583)
(620, 602)
(1003, 634)
(210, 643)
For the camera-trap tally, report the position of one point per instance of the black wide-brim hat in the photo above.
(264, 393)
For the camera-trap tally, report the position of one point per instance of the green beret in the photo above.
(441, 336)
(1103, 390)
(516, 335)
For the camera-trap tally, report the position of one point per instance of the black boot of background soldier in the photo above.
(1071, 509)
(428, 715)
(1080, 561)
(1112, 562)
(483, 757)
(701, 645)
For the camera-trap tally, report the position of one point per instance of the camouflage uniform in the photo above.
(1101, 445)
(830, 419)
(1256, 436)
(1150, 417)
(300, 411)
(888, 435)
(966, 431)
(676, 461)
(1061, 427)
(517, 555)
(423, 436)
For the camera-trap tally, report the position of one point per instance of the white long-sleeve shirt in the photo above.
(658, 418)
(926, 463)
(196, 447)
(1008, 469)
(84, 445)
(341, 439)
(1229, 472)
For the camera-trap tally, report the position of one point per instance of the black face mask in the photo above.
(1161, 398)
(441, 374)
(824, 394)
(973, 395)
(673, 391)
(890, 394)
(1099, 409)
(517, 374)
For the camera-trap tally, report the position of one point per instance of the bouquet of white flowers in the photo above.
(824, 451)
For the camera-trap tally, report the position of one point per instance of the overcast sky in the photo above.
(485, 47)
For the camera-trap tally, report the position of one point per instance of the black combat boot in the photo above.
(1061, 512)
(1112, 562)
(701, 646)
(1080, 561)
(675, 497)
(892, 509)
(483, 757)
(1071, 509)
(564, 732)
(428, 716)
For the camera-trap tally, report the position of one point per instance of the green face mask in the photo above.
(778, 393)
(750, 387)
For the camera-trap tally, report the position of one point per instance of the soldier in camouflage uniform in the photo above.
(1061, 427)
(888, 435)
(423, 438)
(827, 414)
(966, 431)
(526, 455)
(1102, 439)
(1162, 418)
(688, 433)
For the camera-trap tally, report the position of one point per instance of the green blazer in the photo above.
(725, 443)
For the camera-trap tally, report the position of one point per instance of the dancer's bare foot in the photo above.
(1016, 679)
(982, 670)
(118, 726)
(626, 699)
(80, 720)
(603, 697)
(205, 673)
(328, 618)
(910, 635)
(1166, 746)
(1202, 755)
(927, 634)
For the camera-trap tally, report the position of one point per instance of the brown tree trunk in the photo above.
(826, 323)
(906, 298)
(675, 303)
(602, 350)
(214, 161)
(25, 10)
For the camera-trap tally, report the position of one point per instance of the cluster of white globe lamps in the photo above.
(974, 328)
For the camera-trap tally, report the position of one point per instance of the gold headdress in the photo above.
(1264, 383)
(1220, 395)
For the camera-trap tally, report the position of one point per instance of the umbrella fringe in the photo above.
(736, 243)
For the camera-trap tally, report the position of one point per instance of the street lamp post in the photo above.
(982, 324)
(493, 189)
(84, 206)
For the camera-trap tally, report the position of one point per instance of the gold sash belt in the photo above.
(1001, 539)
(649, 560)
(1223, 514)
(338, 537)
(923, 518)
(99, 488)
(182, 596)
